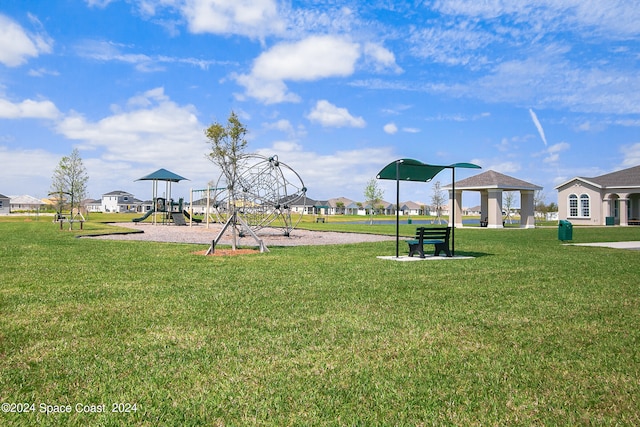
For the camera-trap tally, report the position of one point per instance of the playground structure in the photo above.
(166, 211)
(164, 208)
(268, 189)
(261, 196)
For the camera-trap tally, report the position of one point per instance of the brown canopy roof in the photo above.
(493, 179)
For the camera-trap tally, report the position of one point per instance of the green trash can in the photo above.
(610, 220)
(409, 221)
(565, 230)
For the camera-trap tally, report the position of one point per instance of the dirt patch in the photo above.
(204, 235)
(228, 252)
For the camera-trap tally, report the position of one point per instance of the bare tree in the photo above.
(437, 201)
(508, 203)
(69, 183)
(539, 205)
(373, 196)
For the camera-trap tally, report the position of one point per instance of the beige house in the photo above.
(609, 199)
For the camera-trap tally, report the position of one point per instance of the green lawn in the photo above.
(530, 332)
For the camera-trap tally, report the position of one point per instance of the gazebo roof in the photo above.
(493, 179)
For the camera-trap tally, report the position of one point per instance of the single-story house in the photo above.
(338, 205)
(609, 199)
(5, 204)
(412, 208)
(92, 205)
(26, 203)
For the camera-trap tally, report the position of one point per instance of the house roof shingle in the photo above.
(624, 178)
(629, 177)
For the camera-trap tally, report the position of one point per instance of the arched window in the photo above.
(573, 205)
(579, 207)
(585, 211)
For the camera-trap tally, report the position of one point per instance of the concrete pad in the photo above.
(405, 258)
(615, 245)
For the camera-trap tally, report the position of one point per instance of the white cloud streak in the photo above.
(538, 125)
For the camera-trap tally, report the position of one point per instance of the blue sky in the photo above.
(542, 90)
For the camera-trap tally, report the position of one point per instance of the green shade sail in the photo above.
(415, 170)
(162, 175)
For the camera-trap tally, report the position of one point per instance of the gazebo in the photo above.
(491, 185)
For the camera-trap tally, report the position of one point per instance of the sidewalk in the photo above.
(615, 245)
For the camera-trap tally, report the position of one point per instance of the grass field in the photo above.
(530, 332)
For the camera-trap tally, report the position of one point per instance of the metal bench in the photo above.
(439, 237)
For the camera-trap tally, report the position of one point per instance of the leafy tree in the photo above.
(373, 196)
(227, 152)
(227, 147)
(69, 182)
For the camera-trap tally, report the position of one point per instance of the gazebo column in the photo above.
(455, 202)
(527, 209)
(495, 208)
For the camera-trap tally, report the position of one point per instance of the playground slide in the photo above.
(142, 218)
(186, 215)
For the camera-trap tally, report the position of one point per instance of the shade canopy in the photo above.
(162, 175)
(415, 170)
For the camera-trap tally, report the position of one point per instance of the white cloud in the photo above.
(252, 18)
(151, 130)
(554, 151)
(98, 3)
(547, 80)
(461, 43)
(41, 72)
(28, 172)
(313, 58)
(328, 115)
(382, 58)
(17, 45)
(631, 155)
(390, 128)
(411, 130)
(104, 51)
(503, 167)
(28, 109)
(611, 18)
